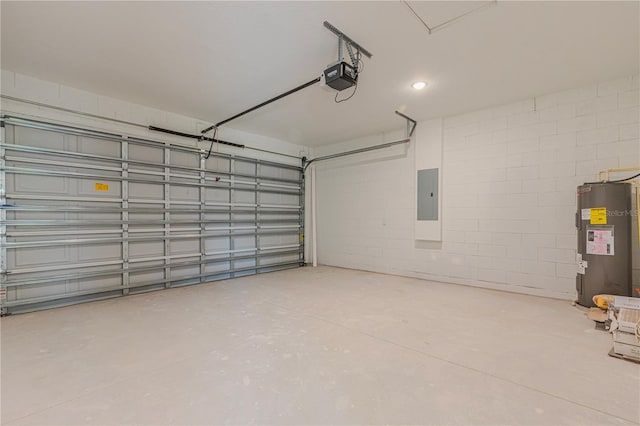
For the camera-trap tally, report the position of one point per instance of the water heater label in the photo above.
(586, 214)
(598, 216)
(600, 242)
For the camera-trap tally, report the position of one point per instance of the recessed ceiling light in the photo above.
(419, 85)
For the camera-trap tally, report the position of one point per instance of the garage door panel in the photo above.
(216, 194)
(185, 272)
(282, 199)
(217, 165)
(148, 216)
(26, 157)
(278, 240)
(244, 197)
(40, 291)
(35, 184)
(107, 283)
(38, 138)
(100, 252)
(243, 242)
(279, 173)
(244, 263)
(37, 215)
(245, 168)
(146, 249)
(184, 159)
(102, 205)
(213, 244)
(95, 231)
(190, 193)
(217, 267)
(102, 147)
(217, 216)
(96, 216)
(180, 246)
(145, 153)
(281, 216)
(146, 191)
(37, 256)
(271, 260)
(190, 215)
(145, 277)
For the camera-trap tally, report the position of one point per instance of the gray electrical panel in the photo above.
(603, 220)
(428, 194)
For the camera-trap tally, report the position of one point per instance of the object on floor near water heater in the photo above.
(603, 220)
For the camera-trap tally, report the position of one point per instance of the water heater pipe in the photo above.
(615, 170)
(634, 182)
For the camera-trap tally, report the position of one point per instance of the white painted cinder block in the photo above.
(629, 99)
(428, 155)
(601, 135)
(545, 269)
(623, 149)
(529, 117)
(568, 241)
(573, 125)
(565, 97)
(592, 106)
(508, 195)
(629, 131)
(614, 86)
(618, 117)
(513, 108)
(557, 255)
(522, 173)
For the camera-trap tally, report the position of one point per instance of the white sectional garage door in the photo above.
(88, 215)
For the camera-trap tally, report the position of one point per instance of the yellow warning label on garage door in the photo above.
(101, 186)
(599, 216)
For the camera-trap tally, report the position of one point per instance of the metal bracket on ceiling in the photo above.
(411, 123)
(350, 44)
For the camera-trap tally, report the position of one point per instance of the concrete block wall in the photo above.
(509, 179)
(25, 87)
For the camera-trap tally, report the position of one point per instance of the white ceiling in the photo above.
(211, 60)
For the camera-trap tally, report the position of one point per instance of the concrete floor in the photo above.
(315, 346)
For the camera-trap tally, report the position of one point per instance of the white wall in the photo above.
(428, 155)
(509, 177)
(25, 87)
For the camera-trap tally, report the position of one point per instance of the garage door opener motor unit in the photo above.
(340, 76)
